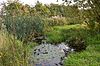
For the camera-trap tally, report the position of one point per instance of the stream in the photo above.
(47, 54)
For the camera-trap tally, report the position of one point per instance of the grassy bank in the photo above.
(88, 57)
(62, 33)
(13, 52)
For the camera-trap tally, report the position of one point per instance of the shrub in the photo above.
(77, 43)
(72, 21)
(0, 22)
(97, 28)
(23, 26)
(56, 21)
(12, 51)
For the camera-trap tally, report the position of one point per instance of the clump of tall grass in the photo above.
(24, 26)
(12, 51)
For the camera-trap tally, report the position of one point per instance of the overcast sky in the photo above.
(32, 2)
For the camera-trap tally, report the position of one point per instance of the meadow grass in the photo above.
(13, 52)
(88, 57)
(63, 33)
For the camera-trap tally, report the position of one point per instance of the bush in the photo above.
(13, 52)
(56, 21)
(77, 43)
(0, 22)
(72, 21)
(97, 28)
(89, 57)
(10, 51)
(23, 26)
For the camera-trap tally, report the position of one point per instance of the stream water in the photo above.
(49, 55)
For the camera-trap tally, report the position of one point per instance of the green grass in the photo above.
(62, 33)
(12, 54)
(67, 27)
(12, 51)
(88, 57)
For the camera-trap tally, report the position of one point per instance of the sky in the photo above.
(33, 2)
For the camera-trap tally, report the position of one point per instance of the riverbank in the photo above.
(88, 57)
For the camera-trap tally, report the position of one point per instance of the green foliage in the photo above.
(23, 23)
(64, 14)
(63, 33)
(59, 21)
(55, 37)
(89, 57)
(23, 26)
(12, 51)
(16, 8)
(77, 43)
(91, 9)
(42, 9)
(72, 21)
